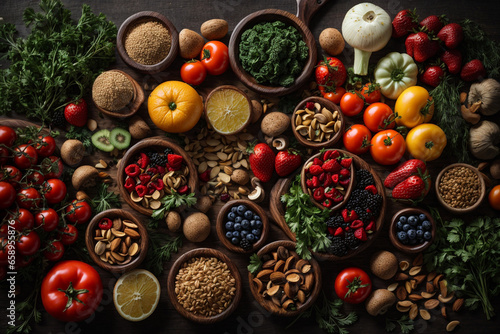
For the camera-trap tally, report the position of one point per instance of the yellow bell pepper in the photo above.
(426, 142)
(414, 106)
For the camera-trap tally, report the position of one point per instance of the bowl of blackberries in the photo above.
(242, 226)
(412, 230)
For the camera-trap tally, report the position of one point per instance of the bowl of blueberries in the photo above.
(412, 230)
(242, 226)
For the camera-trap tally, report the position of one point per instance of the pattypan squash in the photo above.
(394, 73)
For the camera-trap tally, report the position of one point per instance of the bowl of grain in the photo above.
(148, 42)
(204, 285)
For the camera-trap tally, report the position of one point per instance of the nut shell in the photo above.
(384, 265)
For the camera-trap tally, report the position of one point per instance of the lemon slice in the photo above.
(136, 295)
(228, 110)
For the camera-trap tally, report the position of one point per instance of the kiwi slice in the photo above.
(100, 139)
(120, 138)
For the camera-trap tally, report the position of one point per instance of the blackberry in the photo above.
(338, 246)
(245, 244)
(351, 241)
(374, 203)
(362, 214)
(58, 118)
(168, 151)
(358, 198)
(334, 221)
(158, 159)
(364, 178)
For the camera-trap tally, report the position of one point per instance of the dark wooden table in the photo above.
(249, 317)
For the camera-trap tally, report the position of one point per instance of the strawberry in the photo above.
(175, 161)
(349, 216)
(317, 161)
(421, 47)
(345, 173)
(346, 163)
(262, 162)
(335, 179)
(404, 22)
(473, 70)
(432, 75)
(287, 162)
(315, 170)
(370, 227)
(360, 234)
(338, 231)
(372, 189)
(357, 223)
(331, 166)
(330, 72)
(432, 24)
(452, 60)
(76, 113)
(411, 188)
(451, 34)
(407, 169)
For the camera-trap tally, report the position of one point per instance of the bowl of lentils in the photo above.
(412, 230)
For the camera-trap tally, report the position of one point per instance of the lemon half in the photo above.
(228, 110)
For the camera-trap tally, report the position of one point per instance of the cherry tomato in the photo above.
(351, 104)
(7, 135)
(69, 234)
(55, 191)
(334, 96)
(35, 178)
(193, 72)
(215, 57)
(494, 197)
(330, 72)
(46, 146)
(28, 244)
(11, 174)
(52, 167)
(78, 212)
(379, 116)
(54, 252)
(23, 220)
(4, 155)
(353, 285)
(357, 139)
(388, 147)
(371, 92)
(48, 219)
(7, 195)
(29, 198)
(25, 156)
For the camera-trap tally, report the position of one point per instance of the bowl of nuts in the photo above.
(412, 230)
(116, 240)
(204, 285)
(317, 122)
(152, 169)
(285, 284)
(460, 188)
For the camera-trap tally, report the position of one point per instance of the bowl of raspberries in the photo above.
(412, 230)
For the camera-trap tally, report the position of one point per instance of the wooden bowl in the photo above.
(328, 105)
(133, 106)
(90, 242)
(349, 187)
(410, 248)
(203, 252)
(448, 207)
(142, 17)
(305, 10)
(144, 146)
(268, 304)
(221, 221)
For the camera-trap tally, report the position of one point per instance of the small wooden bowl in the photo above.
(410, 248)
(448, 207)
(90, 243)
(328, 105)
(268, 304)
(221, 221)
(203, 252)
(133, 106)
(348, 190)
(150, 144)
(142, 17)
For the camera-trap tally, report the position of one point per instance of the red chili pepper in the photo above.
(141, 190)
(132, 170)
(129, 184)
(319, 194)
(327, 203)
(205, 176)
(143, 161)
(183, 190)
(105, 224)
(145, 178)
(158, 184)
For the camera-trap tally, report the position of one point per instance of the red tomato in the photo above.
(54, 251)
(334, 96)
(78, 212)
(371, 92)
(46, 146)
(52, 167)
(215, 57)
(29, 198)
(11, 174)
(23, 220)
(7, 195)
(69, 234)
(494, 197)
(71, 291)
(28, 244)
(357, 139)
(351, 104)
(25, 156)
(388, 147)
(48, 219)
(7, 135)
(193, 72)
(379, 116)
(55, 191)
(330, 72)
(35, 178)
(353, 285)
(4, 155)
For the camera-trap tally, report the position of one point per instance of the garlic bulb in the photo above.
(487, 93)
(484, 139)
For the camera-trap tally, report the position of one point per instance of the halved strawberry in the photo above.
(370, 227)
(175, 161)
(360, 234)
(143, 161)
(315, 170)
(335, 178)
(332, 166)
(345, 182)
(317, 161)
(346, 163)
(345, 173)
(349, 215)
(371, 188)
(315, 182)
(357, 223)
(338, 231)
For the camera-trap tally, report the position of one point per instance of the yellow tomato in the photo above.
(426, 142)
(174, 106)
(414, 106)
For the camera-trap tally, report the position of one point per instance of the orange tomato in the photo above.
(494, 197)
(388, 147)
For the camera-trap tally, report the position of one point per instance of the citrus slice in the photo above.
(136, 295)
(228, 110)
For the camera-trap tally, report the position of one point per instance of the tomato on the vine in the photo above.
(46, 147)
(25, 156)
(69, 234)
(193, 72)
(388, 147)
(29, 198)
(371, 92)
(52, 167)
(215, 57)
(48, 219)
(35, 178)
(4, 155)
(7, 135)
(7, 194)
(357, 139)
(11, 174)
(379, 116)
(28, 244)
(353, 285)
(494, 197)
(78, 212)
(54, 251)
(333, 95)
(351, 104)
(23, 220)
(55, 191)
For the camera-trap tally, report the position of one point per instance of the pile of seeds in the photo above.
(119, 243)
(148, 43)
(112, 91)
(205, 286)
(460, 187)
(317, 123)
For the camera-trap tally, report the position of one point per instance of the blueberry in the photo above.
(241, 209)
(258, 224)
(237, 226)
(402, 236)
(236, 234)
(252, 223)
(419, 227)
(402, 219)
(256, 217)
(412, 234)
(250, 237)
(231, 216)
(426, 225)
(235, 241)
(233, 209)
(399, 225)
(406, 227)
(245, 224)
(229, 226)
(420, 234)
(422, 217)
(229, 235)
(248, 214)
(427, 235)
(256, 232)
(238, 219)
(243, 234)
(412, 220)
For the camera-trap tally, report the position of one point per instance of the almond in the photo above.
(452, 325)
(457, 305)
(419, 260)
(392, 287)
(429, 287)
(415, 297)
(413, 311)
(427, 295)
(132, 233)
(401, 277)
(443, 311)
(425, 314)
(401, 293)
(405, 303)
(431, 275)
(415, 270)
(443, 288)
(419, 278)
(431, 304)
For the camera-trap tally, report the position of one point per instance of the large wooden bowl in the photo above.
(305, 10)
(411, 248)
(143, 146)
(203, 252)
(268, 304)
(142, 17)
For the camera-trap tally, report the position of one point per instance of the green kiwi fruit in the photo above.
(101, 140)
(120, 138)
